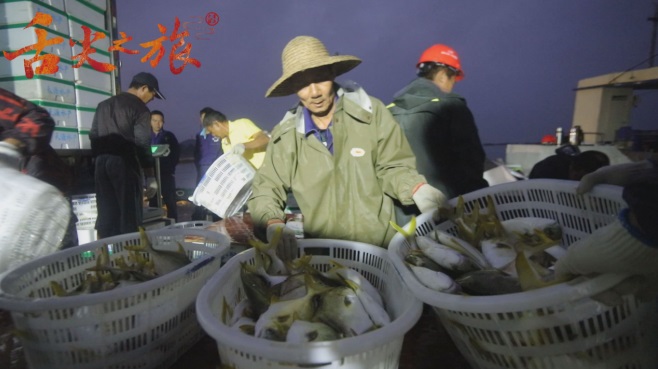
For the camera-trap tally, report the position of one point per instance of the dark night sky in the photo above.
(522, 58)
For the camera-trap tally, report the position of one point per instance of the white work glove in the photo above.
(287, 248)
(9, 155)
(428, 198)
(237, 149)
(151, 187)
(610, 249)
(620, 175)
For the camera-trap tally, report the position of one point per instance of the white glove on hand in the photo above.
(428, 198)
(237, 149)
(151, 187)
(287, 248)
(9, 155)
(620, 175)
(611, 249)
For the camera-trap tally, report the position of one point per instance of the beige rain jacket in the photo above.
(346, 195)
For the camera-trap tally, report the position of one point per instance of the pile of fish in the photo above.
(291, 301)
(489, 256)
(143, 263)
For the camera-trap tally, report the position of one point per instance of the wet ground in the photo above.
(427, 345)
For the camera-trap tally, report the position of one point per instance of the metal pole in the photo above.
(654, 20)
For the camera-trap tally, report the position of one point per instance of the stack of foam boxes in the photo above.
(71, 94)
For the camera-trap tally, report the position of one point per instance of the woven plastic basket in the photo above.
(226, 186)
(377, 349)
(147, 325)
(550, 328)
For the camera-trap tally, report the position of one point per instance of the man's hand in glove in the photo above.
(151, 187)
(620, 175)
(9, 155)
(237, 149)
(287, 249)
(428, 198)
(615, 248)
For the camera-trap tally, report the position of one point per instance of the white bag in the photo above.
(33, 218)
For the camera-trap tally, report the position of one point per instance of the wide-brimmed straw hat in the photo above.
(306, 52)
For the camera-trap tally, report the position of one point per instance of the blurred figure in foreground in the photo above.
(50, 168)
(630, 243)
(33, 214)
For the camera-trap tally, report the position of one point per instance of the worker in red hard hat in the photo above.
(440, 127)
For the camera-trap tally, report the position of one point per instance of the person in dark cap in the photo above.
(120, 138)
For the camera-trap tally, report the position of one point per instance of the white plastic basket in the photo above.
(147, 325)
(34, 217)
(84, 205)
(549, 328)
(226, 186)
(378, 349)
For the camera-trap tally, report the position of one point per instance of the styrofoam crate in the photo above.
(13, 39)
(84, 204)
(22, 12)
(101, 56)
(89, 98)
(379, 348)
(16, 68)
(78, 34)
(83, 138)
(82, 10)
(65, 138)
(40, 87)
(87, 76)
(64, 115)
(85, 117)
(147, 325)
(100, 4)
(86, 235)
(86, 223)
(555, 327)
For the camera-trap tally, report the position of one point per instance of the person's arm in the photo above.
(259, 141)
(272, 181)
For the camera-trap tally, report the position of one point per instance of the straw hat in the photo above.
(306, 52)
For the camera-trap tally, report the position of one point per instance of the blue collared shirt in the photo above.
(323, 135)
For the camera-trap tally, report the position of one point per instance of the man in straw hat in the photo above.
(340, 153)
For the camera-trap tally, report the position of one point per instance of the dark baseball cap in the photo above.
(149, 80)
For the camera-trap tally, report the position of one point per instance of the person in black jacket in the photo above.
(569, 163)
(440, 127)
(160, 136)
(120, 138)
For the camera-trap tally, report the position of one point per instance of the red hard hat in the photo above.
(549, 139)
(442, 54)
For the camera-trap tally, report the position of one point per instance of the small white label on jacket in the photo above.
(357, 152)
